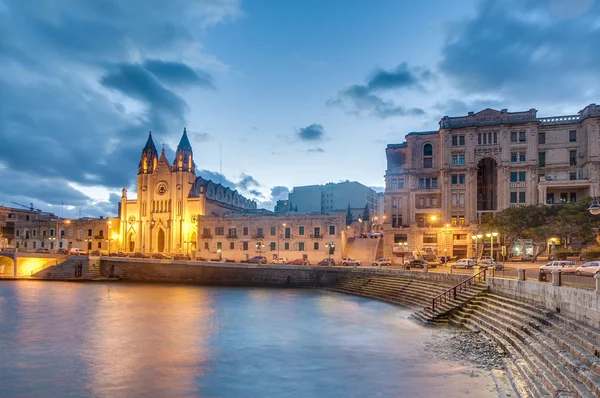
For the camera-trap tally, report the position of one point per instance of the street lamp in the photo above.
(476, 239)
(403, 245)
(278, 237)
(331, 247)
(594, 208)
(492, 235)
(259, 246)
(219, 251)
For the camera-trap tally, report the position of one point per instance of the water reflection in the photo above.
(124, 340)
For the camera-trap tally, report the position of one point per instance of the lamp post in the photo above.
(476, 239)
(492, 236)
(594, 208)
(433, 218)
(278, 237)
(259, 246)
(330, 247)
(403, 246)
(219, 251)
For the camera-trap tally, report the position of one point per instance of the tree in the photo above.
(366, 213)
(349, 216)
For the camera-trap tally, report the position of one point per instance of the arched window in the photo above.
(180, 162)
(145, 164)
(427, 156)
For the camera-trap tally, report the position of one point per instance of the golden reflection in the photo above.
(137, 329)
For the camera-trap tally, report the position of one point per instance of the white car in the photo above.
(566, 267)
(589, 268)
(464, 263)
(350, 261)
(382, 261)
(280, 260)
(75, 251)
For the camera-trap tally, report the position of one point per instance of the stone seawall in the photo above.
(250, 275)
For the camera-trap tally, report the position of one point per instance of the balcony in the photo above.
(283, 236)
(232, 236)
(207, 236)
(99, 237)
(316, 236)
(514, 205)
(258, 236)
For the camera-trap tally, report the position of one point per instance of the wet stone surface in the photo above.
(469, 348)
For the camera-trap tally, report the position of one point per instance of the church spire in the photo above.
(184, 156)
(149, 157)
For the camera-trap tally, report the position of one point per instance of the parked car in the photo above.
(97, 253)
(589, 268)
(434, 264)
(350, 261)
(118, 254)
(181, 257)
(42, 250)
(363, 235)
(485, 264)
(483, 258)
(566, 267)
(280, 260)
(139, 255)
(300, 261)
(327, 262)
(257, 260)
(464, 263)
(416, 263)
(382, 261)
(75, 251)
(62, 251)
(161, 256)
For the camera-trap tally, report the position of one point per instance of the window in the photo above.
(542, 159)
(461, 179)
(461, 140)
(219, 230)
(454, 179)
(400, 183)
(62, 233)
(244, 245)
(522, 156)
(219, 246)
(89, 232)
(573, 197)
(286, 246)
(301, 246)
(513, 157)
(573, 175)
(206, 231)
(272, 246)
(573, 158)
(231, 245)
(33, 233)
(332, 230)
(521, 197)
(513, 176)
(427, 156)
(541, 138)
(99, 245)
(394, 183)
(427, 163)
(550, 198)
(573, 136)
(427, 150)
(460, 237)
(301, 230)
(454, 140)
(484, 138)
(288, 233)
(454, 160)
(461, 159)
(521, 176)
(434, 183)
(273, 231)
(430, 238)
(245, 231)
(316, 246)
(479, 139)
(206, 245)
(259, 232)
(513, 197)
(513, 137)
(495, 137)
(232, 233)
(522, 137)
(51, 232)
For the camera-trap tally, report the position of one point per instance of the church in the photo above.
(164, 216)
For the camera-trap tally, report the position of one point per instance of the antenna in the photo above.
(221, 165)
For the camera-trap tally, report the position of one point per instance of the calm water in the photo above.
(149, 340)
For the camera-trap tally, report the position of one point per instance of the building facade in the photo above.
(10, 221)
(440, 184)
(334, 197)
(170, 197)
(239, 237)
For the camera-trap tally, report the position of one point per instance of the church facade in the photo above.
(164, 215)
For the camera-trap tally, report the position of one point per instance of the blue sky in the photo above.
(296, 92)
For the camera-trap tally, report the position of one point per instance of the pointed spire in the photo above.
(150, 143)
(185, 142)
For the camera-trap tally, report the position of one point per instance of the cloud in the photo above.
(178, 73)
(279, 191)
(199, 136)
(216, 178)
(314, 132)
(365, 100)
(315, 150)
(531, 50)
(247, 182)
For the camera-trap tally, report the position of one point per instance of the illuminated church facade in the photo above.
(170, 197)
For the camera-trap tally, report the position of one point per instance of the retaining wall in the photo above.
(579, 304)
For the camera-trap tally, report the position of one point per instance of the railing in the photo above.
(283, 236)
(454, 291)
(316, 236)
(98, 236)
(231, 236)
(206, 236)
(258, 236)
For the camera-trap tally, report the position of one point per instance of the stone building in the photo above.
(85, 234)
(239, 237)
(441, 183)
(170, 197)
(10, 220)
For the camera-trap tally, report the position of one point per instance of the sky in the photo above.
(280, 93)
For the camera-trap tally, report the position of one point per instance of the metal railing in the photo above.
(454, 291)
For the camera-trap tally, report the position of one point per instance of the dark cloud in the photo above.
(365, 99)
(216, 178)
(400, 77)
(314, 132)
(178, 73)
(136, 82)
(533, 50)
(256, 193)
(278, 191)
(315, 150)
(247, 182)
(197, 136)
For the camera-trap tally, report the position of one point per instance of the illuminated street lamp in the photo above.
(219, 251)
(594, 208)
(492, 235)
(259, 246)
(331, 248)
(476, 239)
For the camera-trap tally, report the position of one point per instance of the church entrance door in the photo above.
(160, 241)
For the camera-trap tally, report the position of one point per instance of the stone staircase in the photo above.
(411, 293)
(364, 250)
(348, 247)
(549, 355)
(441, 313)
(68, 269)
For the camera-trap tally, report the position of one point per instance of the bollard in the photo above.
(556, 277)
(521, 273)
(425, 269)
(475, 269)
(597, 278)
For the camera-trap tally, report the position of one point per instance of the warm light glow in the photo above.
(218, 250)
(115, 236)
(480, 236)
(433, 218)
(488, 235)
(284, 224)
(474, 237)
(67, 221)
(447, 225)
(494, 234)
